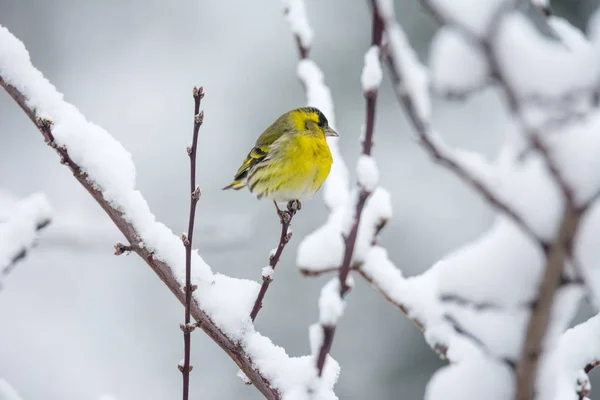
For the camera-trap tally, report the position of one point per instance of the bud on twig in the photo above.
(187, 328)
(120, 248)
(196, 193)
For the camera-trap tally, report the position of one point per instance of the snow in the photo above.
(501, 267)
(546, 67)
(475, 16)
(19, 231)
(324, 248)
(295, 11)
(315, 336)
(481, 378)
(414, 78)
(109, 167)
(583, 171)
(457, 65)
(318, 95)
(579, 346)
(371, 74)
(291, 374)
(268, 272)
(367, 172)
(331, 305)
(240, 374)
(7, 392)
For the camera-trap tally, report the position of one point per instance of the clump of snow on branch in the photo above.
(371, 74)
(20, 227)
(415, 79)
(324, 248)
(481, 378)
(457, 66)
(291, 375)
(109, 167)
(367, 172)
(331, 304)
(475, 16)
(268, 272)
(295, 11)
(546, 66)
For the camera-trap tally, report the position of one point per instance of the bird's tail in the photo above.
(235, 185)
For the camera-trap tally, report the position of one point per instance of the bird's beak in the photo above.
(330, 132)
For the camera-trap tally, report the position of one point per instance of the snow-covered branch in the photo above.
(19, 230)
(540, 196)
(221, 305)
(331, 303)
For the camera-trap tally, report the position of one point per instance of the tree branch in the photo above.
(540, 315)
(436, 151)
(365, 191)
(285, 218)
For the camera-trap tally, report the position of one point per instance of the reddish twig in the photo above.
(350, 239)
(285, 218)
(188, 327)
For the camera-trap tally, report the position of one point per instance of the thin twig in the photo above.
(285, 218)
(188, 327)
(164, 271)
(350, 239)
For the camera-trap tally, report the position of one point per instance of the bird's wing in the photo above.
(256, 155)
(264, 144)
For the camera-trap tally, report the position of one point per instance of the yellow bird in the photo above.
(290, 159)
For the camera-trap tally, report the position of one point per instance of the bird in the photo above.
(290, 160)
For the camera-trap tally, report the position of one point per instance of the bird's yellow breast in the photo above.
(305, 162)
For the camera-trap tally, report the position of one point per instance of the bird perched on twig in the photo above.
(290, 159)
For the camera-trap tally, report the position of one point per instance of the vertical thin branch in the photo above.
(187, 328)
(350, 240)
(267, 276)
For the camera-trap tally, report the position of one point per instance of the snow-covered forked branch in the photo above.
(100, 163)
(19, 228)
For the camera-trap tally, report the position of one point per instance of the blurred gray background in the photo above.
(77, 323)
